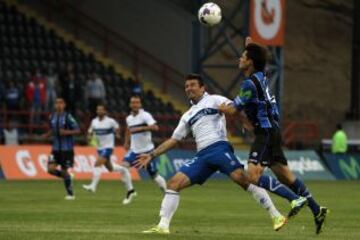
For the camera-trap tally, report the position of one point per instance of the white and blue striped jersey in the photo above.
(104, 131)
(205, 122)
(140, 142)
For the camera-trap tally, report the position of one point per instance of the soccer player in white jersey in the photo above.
(214, 152)
(105, 130)
(138, 139)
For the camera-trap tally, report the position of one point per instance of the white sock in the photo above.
(168, 207)
(126, 176)
(160, 181)
(262, 197)
(96, 177)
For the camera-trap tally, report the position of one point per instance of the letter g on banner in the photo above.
(25, 163)
(267, 21)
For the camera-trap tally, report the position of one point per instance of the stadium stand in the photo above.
(26, 47)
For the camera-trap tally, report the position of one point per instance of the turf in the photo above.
(217, 210)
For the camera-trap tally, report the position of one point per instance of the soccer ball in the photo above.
(209, 14)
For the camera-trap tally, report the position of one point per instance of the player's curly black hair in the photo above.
(258, 54)
(195, 76)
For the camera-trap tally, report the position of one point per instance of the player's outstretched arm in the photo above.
(227, 108)
(144, 159)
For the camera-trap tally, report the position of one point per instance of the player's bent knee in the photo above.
(173, 185)
(178, 182)
(101, 161)
(254, 178)
(240, 178)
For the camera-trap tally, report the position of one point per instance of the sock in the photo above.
(126, 176)
(68, 185)
(273, 185)
(168, 207)
(96, 177)
(56, 173)
(299, 188)
(160, 181)
(263, 198)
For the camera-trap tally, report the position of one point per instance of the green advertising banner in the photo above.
(305, 164)
(344, 166)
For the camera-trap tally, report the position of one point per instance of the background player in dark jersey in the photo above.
(255, 101)
(63, 127)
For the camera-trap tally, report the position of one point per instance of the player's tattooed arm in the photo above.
(144, 159)
(164, 147)
(230, 109)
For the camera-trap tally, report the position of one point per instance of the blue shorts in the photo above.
(105, 153)
(130, 157)
(218, 156)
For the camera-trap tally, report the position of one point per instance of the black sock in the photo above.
(299, 187)
(68, 185)
(130, 192)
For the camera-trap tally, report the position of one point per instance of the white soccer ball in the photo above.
(209, 14)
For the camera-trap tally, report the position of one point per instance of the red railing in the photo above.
(114, 42)
(300, 132)
(21, 120)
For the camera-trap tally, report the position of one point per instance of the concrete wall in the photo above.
(156, 26)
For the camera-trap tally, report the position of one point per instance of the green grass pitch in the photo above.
(217, 210)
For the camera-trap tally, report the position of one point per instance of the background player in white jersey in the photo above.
(208, 126)
(105, 130)
(138, 138)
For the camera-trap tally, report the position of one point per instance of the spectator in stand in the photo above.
(51, 93)
(36, 96)
(136, 88)
(95, 92)
(2, 93)
(12, 97)
(339, 140)
(64, 77)
(11, 134)
(72, 92)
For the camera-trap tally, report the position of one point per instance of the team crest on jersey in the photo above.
(254, 154)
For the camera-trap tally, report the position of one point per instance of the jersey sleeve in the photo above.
(73, 125)
(149, 119)
(246, 94)
(181, 131)
(115, 124)
(221, 100)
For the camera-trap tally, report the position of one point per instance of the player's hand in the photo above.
(142, 161)
(248, 40)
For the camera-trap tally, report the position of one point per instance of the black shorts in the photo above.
(266, 149)
(63, 158)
